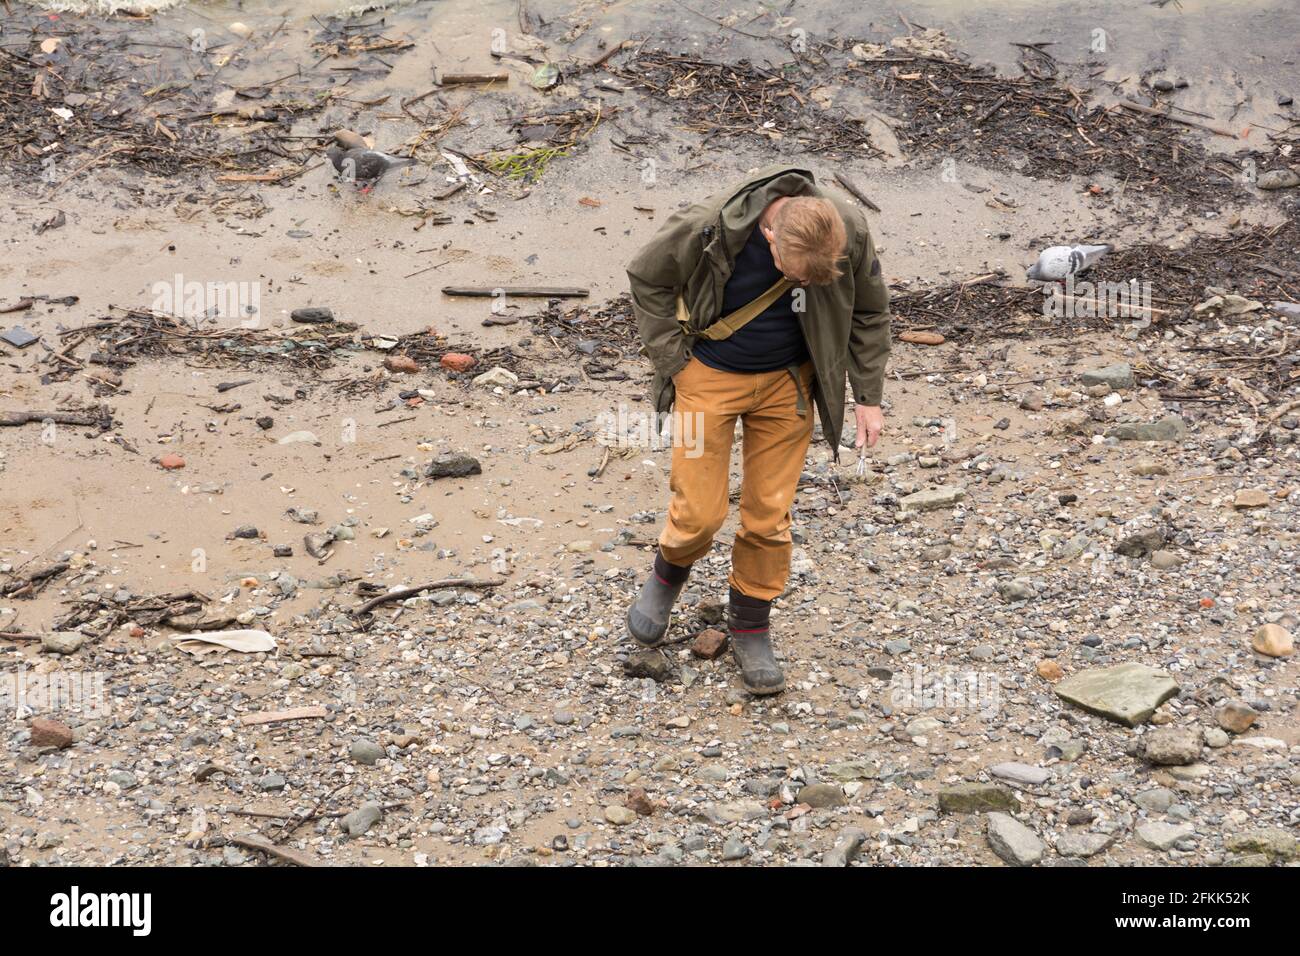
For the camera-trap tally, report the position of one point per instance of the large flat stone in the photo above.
(1126, 693)
(976, 798)
(1119, 375)
(1169, 428)
(945, 496)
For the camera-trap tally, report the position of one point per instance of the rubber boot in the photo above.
(751, 644)
(649, 615)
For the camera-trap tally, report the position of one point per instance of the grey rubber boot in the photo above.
(751, 645)
(649, 615)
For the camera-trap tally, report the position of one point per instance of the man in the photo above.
(805, 263)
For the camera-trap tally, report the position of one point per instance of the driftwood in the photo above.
(519, 291)
(450, 79)
(28, 586)
(100, 417)
(251, 841)
(18, 636)
(1151, 111)
(403, 593)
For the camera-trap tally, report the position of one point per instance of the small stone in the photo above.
(976, 798)
(942, 497)
(1273, 640)
(640, 803)
(362, 819)
(457, 362)
(734, 848)
(1236, 716)
(1011, 840)
(403, 364)
(62, 642)
(171, 462)
(1116, 376)
(1273, 842)
(649, 663)
(1172, 746)
(497, 376)
(1216, 738)
(1160, 835)
(1157, 800)
(453, 466)
(1021, 773)
(1165, 560)
(50, 733)
(845, 848)
(1278, 179)
(1169, 428)
(1018, 589)
(709, 644)
(366, 752)
(619, 816)
(1077, 844)
(1248, 498)
(1050, 671)
(1142, 543)
(312, 315)
(822, 795)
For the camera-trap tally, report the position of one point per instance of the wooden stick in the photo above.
(855, 192)
(402, 593)
(1149, 111)
(251, 841)
(275, 716)
(18, 636)
(522, 291)
(453, 79)
(98, 417)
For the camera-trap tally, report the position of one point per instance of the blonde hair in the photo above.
(810, 238)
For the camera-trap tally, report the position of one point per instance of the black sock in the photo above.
(670, 574)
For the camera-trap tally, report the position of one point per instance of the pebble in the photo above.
(366, 752)
(362, 819)
(1273, 640)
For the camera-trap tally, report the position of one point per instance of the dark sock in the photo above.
(670, 574)
(748, 613)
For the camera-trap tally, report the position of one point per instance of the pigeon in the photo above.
(1057, 262)
(365, 167)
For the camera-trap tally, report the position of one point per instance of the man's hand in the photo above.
(870, 422)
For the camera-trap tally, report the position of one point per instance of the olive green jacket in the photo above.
(845, 323)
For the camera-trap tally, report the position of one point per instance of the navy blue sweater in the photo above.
(773, 339)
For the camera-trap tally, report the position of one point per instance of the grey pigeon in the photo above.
(365, 167)
(1057, 262)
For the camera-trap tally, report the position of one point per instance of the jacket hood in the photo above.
(740, 212)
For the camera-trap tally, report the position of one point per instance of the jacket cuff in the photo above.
(867, 393)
